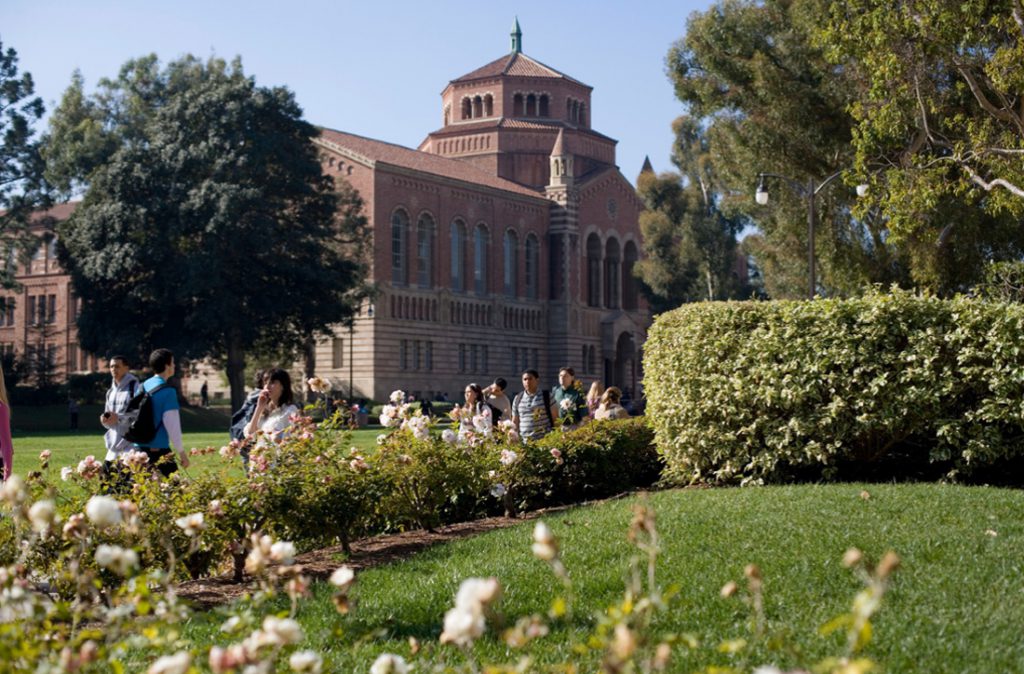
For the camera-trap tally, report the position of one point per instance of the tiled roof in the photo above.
(57, 212)
(388, 153)
(516, 64)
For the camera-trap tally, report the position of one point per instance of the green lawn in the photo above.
(955, 606)
(70, 447)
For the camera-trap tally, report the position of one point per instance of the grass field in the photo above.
(955, 606)
(70, 447)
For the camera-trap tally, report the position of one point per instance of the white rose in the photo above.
(306, 661)
(389, 664)
(283, 552)
(171, 664)
(103, 511)
(283, 630)
(191, 524)
(343, 577)
(41, 515)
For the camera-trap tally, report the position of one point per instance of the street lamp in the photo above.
(809, 192)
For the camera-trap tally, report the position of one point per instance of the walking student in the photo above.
(123, 387)
(533, 413)
(166, 416)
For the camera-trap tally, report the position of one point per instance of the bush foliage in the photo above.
(745, 391)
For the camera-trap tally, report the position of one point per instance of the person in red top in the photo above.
(6, 448)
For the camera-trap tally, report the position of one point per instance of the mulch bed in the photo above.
(207, 593)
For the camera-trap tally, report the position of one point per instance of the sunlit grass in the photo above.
(954, 607)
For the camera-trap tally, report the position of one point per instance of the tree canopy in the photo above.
(779, 87)
(750, 74)
(689, 244)
(207, 224)
(939, 118)
(22, 186)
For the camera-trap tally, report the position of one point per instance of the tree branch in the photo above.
(985, 103)
(992, 184)
(1018, 16)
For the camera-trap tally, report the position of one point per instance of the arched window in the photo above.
(458, 235)
(478, 107)
(511, 250)
(425, 251)
(531, 105)
(532, 266)
(583, 114)
(488, 106)
(399, 245)
(629, 288)
(612, 259)
(481, 243)
(568, 109)
(543, 112)
(518, 107)
(467, 108)
(593, 270)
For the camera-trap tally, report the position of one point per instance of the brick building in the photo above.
(37, 322)
(505, 241)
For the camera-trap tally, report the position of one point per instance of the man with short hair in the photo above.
(496, 398)
(166, 417)
(569, 398)
(123, 387)
(532, 411)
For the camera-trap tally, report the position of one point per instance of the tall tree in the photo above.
(939, 122)
(22, 187)
(689, 244)
(207, 225)
(750, 74)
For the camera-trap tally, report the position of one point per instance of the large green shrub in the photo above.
(756, 390)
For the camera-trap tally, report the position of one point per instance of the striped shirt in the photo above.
(534, 422)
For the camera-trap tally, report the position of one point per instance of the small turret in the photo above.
(561, 160)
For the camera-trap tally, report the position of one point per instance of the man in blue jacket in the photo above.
(166, 417)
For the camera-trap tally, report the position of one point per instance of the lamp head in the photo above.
(761, 195)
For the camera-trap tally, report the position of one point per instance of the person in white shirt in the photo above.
(123, 387)
(274, 408)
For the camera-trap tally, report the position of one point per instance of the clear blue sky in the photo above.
(375, 68)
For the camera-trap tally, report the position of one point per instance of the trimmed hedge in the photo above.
(758, 391)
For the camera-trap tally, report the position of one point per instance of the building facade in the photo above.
(37, 321)
(505, 241)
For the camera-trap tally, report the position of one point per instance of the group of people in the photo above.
(536, 411)
(265, 415)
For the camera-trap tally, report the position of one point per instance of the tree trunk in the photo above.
(309, 353)
(236, 372)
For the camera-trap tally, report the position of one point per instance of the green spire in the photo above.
(517, 37)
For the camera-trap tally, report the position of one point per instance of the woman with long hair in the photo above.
(475, 415)
(6, 448)
(274, 408)
(610, 405)
(594, 397)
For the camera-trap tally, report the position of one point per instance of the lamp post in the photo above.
(809, 192)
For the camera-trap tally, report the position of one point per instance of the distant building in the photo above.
(37, 322)
(506, 241)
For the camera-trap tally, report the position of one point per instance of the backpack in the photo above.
(495, 413)
(143, 426)
(547, 405)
